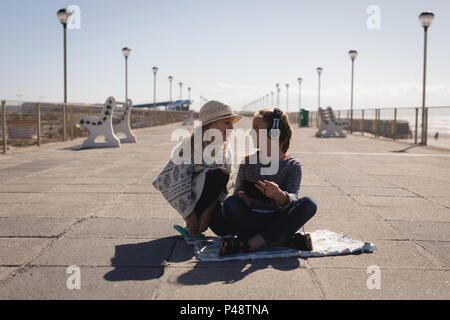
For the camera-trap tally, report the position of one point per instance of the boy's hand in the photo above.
(248, 201)
(273, 191)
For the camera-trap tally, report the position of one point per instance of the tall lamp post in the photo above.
(278, 94)
(155, 71)
(126, 52)
(287, 97)
(63, 16)
(299, 100)
(271, 92)
(319, 72)
(181, 90)
(426, 18)
(352, 54)
(170, 87)
(189, 95)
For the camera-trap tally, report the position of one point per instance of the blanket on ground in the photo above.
(325, 243)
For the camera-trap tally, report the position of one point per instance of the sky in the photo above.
(233, 51)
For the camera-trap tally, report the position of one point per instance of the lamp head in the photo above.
(319, 70)
(353, 54)
(63, 16)
(299, 80)
(126, 52)
(155, 70)
(426, 18)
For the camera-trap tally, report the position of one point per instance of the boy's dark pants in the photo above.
(271, 226)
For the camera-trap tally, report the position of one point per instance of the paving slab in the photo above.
(243, 281)
(424, 230)
(125, 228)
(131, 210)
(431, 213)
(107, 252)
(394, 284)
(33, 227)
(5, 272)
(50, 283)
(389, 255)
(439, 249)
(16, 197)
(20, 251)
(356, 229)
(52, 210)
(26, 187)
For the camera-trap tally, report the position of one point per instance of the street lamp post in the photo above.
(181, 90)
(155, 71)
(426, 18)
(319, 72)
(271, 92)
(299, 100)
(189, 95)
(63, 16)
(126, 52)
(287, 97)
(170, 87)
(352, 54)
(278, 94)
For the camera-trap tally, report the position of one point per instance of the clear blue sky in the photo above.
(232, 50)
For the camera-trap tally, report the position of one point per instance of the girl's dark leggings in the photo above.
(215, 182)
(271, 226)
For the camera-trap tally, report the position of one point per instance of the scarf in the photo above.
(181, 184)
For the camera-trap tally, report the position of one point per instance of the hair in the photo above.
(284, 126)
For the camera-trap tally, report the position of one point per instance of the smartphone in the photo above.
(253, 192)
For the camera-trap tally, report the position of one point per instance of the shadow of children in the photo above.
(141, 261)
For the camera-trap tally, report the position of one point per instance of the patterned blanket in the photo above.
(325, 243)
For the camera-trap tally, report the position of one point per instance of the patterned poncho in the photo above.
(181, 184)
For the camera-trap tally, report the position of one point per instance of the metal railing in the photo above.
(398, 124)
(35, 123)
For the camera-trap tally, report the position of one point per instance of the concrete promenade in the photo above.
(97, 209)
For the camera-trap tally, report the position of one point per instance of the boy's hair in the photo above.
(284, 126)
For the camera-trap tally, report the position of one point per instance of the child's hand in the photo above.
(193, 225)
(245, 198)
(269, 188)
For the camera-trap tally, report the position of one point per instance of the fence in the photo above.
(37, 123)
(398, 124)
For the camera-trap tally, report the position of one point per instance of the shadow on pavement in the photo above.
(141, 261)
(233, 271)
(146, 261)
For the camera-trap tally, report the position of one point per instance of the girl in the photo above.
(197, 191)
(259, 222)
